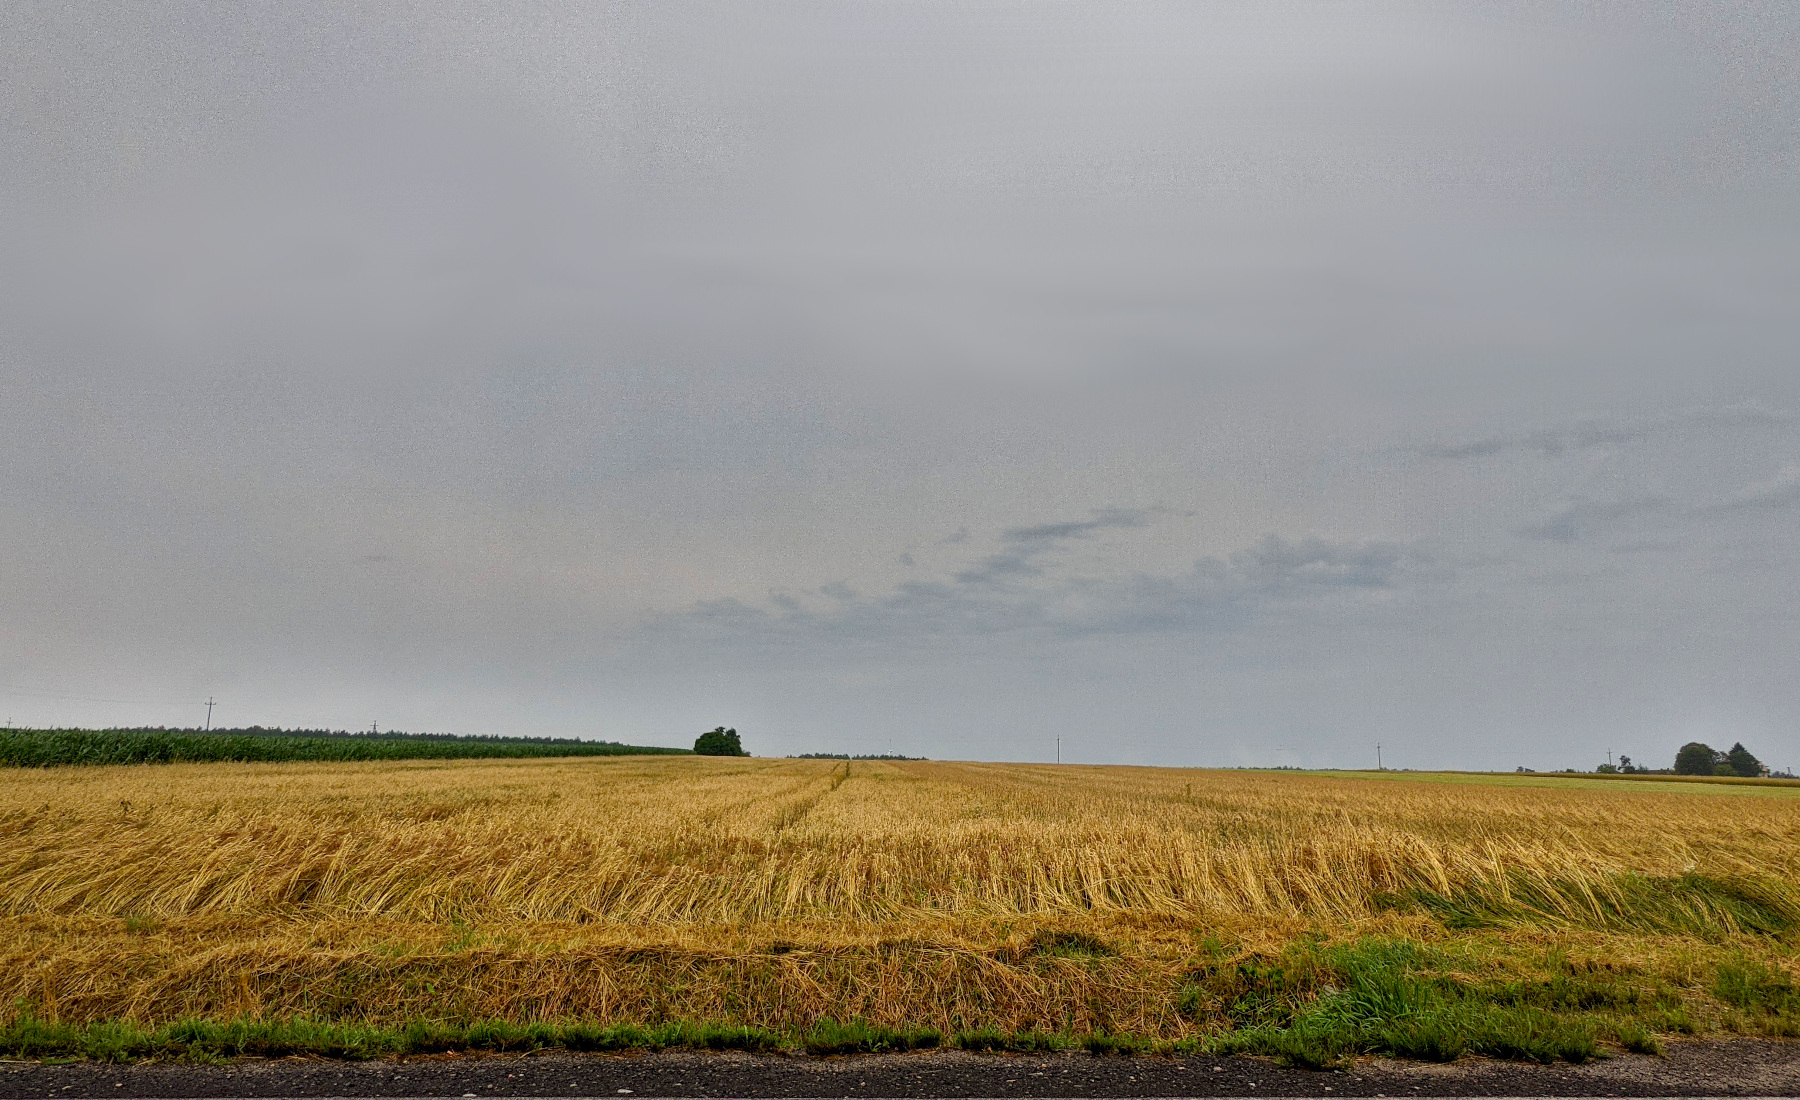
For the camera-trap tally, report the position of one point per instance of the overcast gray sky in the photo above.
(1197, 383)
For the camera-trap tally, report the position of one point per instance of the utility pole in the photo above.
(209, 707)
(374, 729)
(1609, 758)
(1059, 750)
(1378, 766)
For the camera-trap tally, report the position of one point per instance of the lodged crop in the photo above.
(993, 905)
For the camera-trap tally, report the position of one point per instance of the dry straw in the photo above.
(698, 841)
(493, 868)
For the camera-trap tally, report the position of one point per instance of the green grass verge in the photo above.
(1317, 1006)
(57, 748)
(29, 1036)
(1314, 1005)
(204, 1040)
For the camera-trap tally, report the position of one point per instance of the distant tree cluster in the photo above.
(719, 742)
(1698, 758)
(360, 735)
(848, 756)
(53, 748)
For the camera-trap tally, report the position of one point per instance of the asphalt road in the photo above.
(1739, 1068)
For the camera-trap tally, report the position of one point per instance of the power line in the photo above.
(11, 690)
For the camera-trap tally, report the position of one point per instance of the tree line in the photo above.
(1696, 758)
(1699, 758)
(55, 748)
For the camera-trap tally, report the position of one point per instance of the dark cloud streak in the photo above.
(1310, 576)
(1027, 546)
(1604, 432)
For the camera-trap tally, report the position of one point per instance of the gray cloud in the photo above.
(1611, 431)
(396, 361)
(1779, 491)
(1585, 517)
(1274, 566)
(1026, 546)
(1308, 577)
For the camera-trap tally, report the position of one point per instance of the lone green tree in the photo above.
(1742, 763)
(1696, 758)
(719, 742)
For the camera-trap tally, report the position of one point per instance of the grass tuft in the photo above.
(1017, 1042)
(1069, 944)
(1317, 1006)
(1767, 997)
(859, 1037)
(1636, 1039)
(1102, 1043)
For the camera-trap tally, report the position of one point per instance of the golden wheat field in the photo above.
(779, 892)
